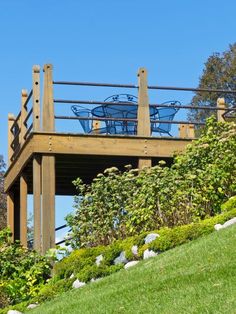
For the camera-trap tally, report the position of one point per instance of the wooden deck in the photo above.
(44, 162)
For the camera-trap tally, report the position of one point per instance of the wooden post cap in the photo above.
(11, 116)
(24, 92)
(36, 68)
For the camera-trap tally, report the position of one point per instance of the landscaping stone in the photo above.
(151, 237)
(130, 264)
(218, 227)
(99, 259)
(78, 284)
(121, 259)
(134, 249)
(149, 253)
(14, 312)
(32, 306)
(228, 223)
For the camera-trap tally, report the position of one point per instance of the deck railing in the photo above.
(29, 118)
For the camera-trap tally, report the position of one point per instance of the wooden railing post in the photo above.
(220, 104)
(48, 105)
(144, 125)
(186, 131)
(36, 98)
(11, 120)
(23, 127)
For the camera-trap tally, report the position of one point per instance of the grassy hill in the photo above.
(198, 277)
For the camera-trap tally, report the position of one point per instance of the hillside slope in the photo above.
(199, 277)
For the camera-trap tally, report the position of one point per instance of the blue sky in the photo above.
(107, 41)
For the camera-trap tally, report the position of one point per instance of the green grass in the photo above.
(198, 277)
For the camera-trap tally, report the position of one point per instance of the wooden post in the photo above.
(48, 166)
(48, 202)
(23, 127)
(48, 105)
(11, 120)
(96, 125)
(220, 104)
(186, 131)
(23, 210)
(36, 98)
(37, 202)
(10, 212)
(144, 126)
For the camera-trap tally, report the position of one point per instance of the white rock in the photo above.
(134, 249)
(78, 284)
(72, 276)
(229, 222)
(149, 253)
(218, 227)
(151, 237)
(121, 259)
(14, 312)
(32, 306)
(99, 259)
(130, 264)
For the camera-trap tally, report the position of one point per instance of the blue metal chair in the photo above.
(165, 114)
(87, 122)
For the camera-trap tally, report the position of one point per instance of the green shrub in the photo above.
(22, 271)
(230, 204)
(121, 204)
(4, 299)
(52, 289)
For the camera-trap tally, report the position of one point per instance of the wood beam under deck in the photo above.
(85, 147)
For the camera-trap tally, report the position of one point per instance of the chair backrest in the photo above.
(82, 112)
(165, 114)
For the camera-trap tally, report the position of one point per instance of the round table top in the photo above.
(120, 111)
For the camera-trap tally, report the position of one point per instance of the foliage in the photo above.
(229, 205)
(219, 73)
(117, 205)
(198, 277)
(22, 271)
(81, 263)
(3, 201)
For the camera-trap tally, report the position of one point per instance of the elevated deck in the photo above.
(43, 161)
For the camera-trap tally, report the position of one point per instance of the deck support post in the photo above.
(48, 202)
(220, 113)
(23, 210)
(48, 166)
(37, 202)
(144, 126)
(10, 212)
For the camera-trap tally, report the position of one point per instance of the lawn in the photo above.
(198, 277)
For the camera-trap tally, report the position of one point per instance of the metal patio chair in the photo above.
(87, 121)
(165, 114)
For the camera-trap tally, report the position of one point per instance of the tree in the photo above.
(219, 73)
(3, 202)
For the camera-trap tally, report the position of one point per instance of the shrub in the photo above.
(22, 271)
(121, 204)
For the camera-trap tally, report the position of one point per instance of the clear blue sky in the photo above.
(107, 41)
